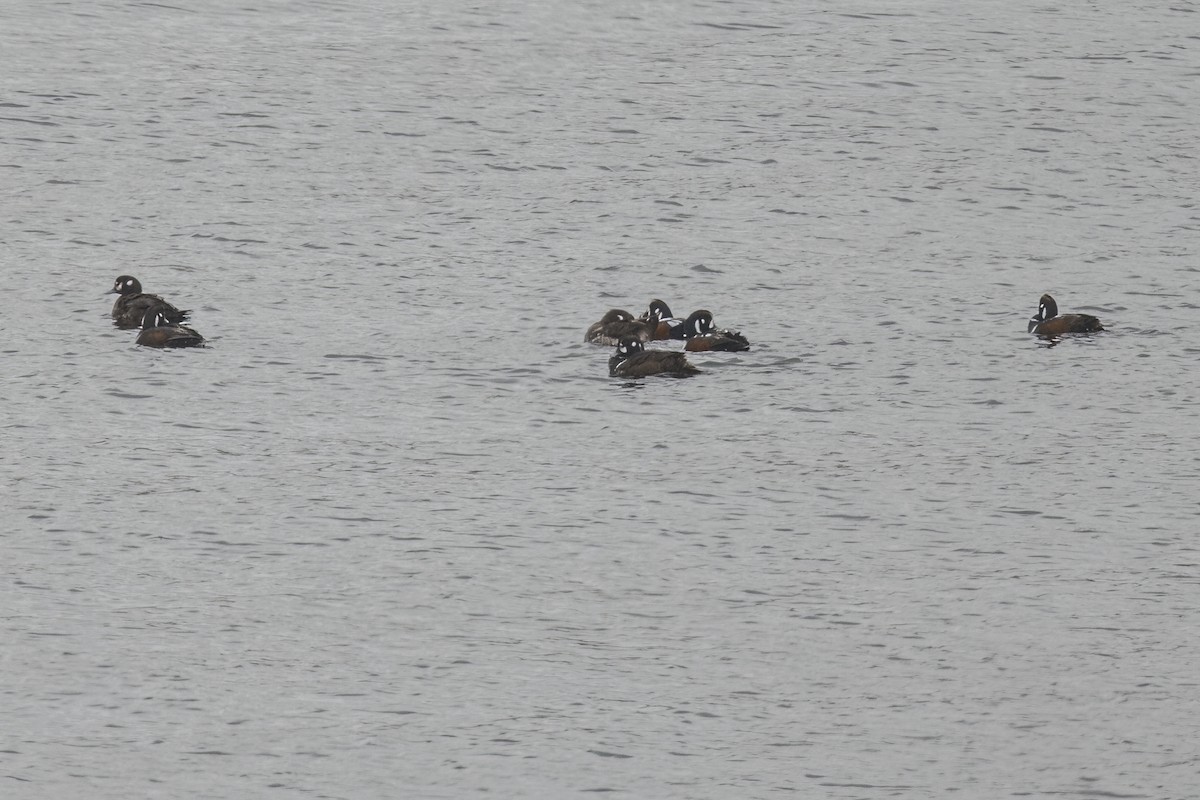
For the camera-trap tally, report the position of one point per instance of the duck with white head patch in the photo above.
(701, 335)
(669, 326)
(633, 360)
(1048, 322)
(618, 324)
(130, 308)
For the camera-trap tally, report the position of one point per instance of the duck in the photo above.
(1047, 322)
(131, 307)
(159, 331)
(633, 360)
(701, 336)
(669, 326)
(618, 324)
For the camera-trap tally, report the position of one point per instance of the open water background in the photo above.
(397, 534)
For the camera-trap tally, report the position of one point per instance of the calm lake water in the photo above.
(395, 533)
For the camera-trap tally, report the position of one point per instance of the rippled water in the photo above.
(397, 534)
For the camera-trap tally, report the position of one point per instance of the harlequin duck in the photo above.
(698, 330)
(1047, 322)
(159, 331)
(633, 360)
(131, 307)
(669, 326)
(617, 325)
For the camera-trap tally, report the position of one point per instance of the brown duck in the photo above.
(617, 325)
(633, 360)
(159, 331)
(1047, 322)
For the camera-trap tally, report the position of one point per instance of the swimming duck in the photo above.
(669, 326)
(131, 307)
(700, 335)
(1047, 322)
(633, 360)
(616, 325)
(159, 331)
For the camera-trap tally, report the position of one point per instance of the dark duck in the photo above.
(669, 326)
(617, 325)
(130, 309)
(633, 360)
(701, 336)
(1048, 322)
(159, 331)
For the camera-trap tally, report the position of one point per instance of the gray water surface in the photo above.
(395, 533)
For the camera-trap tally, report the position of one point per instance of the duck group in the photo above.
(632, 360)
(629, 335)
(160, 322)
(161, 325)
